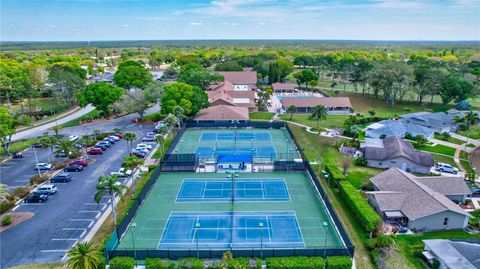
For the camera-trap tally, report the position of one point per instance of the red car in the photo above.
(95, 151)
(119, 135)
(79, 162)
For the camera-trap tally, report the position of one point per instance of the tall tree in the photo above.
(455, 88)
(84, 256)
(196, 75)
(131, 74)
(318, 113)
(108, 185)
(66, 81)
(129, 137)
(190, 98)
(101, 95)
(291, 109)
(7, 129)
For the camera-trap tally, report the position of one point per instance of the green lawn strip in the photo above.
(40, 266)
(332, 121)
(320, 149)
(156, 116)
(467, 166)
(444, 159)
(20, 145)
(412, 246)
(450, 139)
(473, 132)
(464, 155)
(75, 122)
(261, 115)
(441, 149)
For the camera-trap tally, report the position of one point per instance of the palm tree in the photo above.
(170, 121)
(420, 141)
(318, 113)
(354, 130)
(471, 117)
(86, 140)
(116, 130)
(162, 130)
(291, 109)
(48, 142)
(84, 256)
(57, 129)
(130, 137)
(65, 146)
(109, 185)
(372, 113)
(131, 161)
(3, 191)
(160, 140)
(179, 112)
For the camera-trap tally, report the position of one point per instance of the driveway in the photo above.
(66, 217)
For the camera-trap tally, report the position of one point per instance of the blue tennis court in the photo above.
(231, 136)
(224, 230)
(221, 190)
(257, 151)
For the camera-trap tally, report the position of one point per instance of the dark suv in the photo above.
(35, 197)
(63, 177)
(73, 168)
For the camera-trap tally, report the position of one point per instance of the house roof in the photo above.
(399, 128)
(455, 254)
(315, 101)
(453, 185)
(432, 120)
(222, 113)
(395, 147)
(283, 86)
(418, 200)
(229, 96)
(240, 77)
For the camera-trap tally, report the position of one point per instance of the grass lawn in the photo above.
(261, 115)
(411, 246)
(444, 159)
(20, 145)
(473, 132)
(40, 266)
(463, 155)
(467, 166)
(450, 139)
(322, 150)
(76, 122)
(332, 121)
(441, 149)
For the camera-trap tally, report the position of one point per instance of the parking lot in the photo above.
(67, 216)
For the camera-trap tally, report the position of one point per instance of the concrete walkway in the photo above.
(476, 142)
(59, 120)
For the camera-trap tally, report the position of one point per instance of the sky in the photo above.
(89, 20)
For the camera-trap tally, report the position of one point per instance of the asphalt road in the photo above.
(67, 216)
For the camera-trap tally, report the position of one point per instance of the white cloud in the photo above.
(196, 24)
(124, 25)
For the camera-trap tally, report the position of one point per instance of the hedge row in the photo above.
(368, 218)
(339, 262)
(298, 262)
(335, 173)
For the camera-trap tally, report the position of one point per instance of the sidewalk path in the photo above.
(44, 127)
(476, 142)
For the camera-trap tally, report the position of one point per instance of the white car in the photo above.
(123, 172)
(73, 138)
(43, 166)
(144, 150)
(47, 189)
(142, 145)
(445, 167)
(116, 138)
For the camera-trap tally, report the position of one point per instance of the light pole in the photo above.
(36, 160)
(181, 145)
(325, 224)
(260, 225)
(286, 150)
(251, 140)
(197, 226)
(134, 225)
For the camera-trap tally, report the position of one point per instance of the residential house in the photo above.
(105, 77)
(284, 87)
(452, 254)
(245, 80)
(224, 94)
(440, 122)
(405, 199)
(334, 105)
(223, 113)
(396, 152)
(388, 128)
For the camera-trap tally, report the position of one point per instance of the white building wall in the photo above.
(434, 222)
(401, 163)
(241, 88)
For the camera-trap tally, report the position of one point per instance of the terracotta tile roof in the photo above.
(240, 77)
(222, 112)
(283, 86)
(315, 101)
(228, 96)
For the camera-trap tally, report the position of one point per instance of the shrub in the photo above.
(463, 105)
(7, 220)
(101, 136)
(156, 263)
(361, 161)
(368, 218)
(35, 180)
(6, 205)
(240, 262)
(122, 263)
(60, 165)
(339, 262)
(157, 116)
(445, 136)
(298, 262)
(20, 192)
(190, 263)
(259, 263)
(381, 241)
(335, 173)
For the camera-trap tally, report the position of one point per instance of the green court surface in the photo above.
(165, 201)
(262, 144)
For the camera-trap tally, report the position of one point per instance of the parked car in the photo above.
(62, 177)
(110, 140)
(62, 154)
(47, 189)
(115, 137)
(106, 143)
(139, 154)
(17, 155)
(119, 135)
(475, 192)
(147, 146)
(445, 167)
(35, 197)
(79, 162)
(148, 139)
(101, 146)
(95, 151)
(122, 172)
(73, 168)
(37, 145)
(43, 166)
(73, 138)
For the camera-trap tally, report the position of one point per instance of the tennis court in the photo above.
(214, 230)
(287, 204)
(244, 190)
(263, 144)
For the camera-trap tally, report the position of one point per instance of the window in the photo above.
(445, 221)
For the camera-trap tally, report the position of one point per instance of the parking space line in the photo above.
(81, 219)
(73, 229)
(87, 211)
(55, 250)
(95, 204)
(64, 239)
